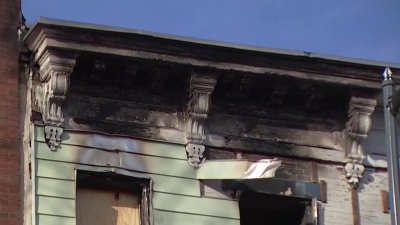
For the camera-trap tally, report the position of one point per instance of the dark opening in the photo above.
(110, 181)
(257, 209)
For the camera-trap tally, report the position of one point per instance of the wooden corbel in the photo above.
(199, 100)
(50, 91)
(357, 128)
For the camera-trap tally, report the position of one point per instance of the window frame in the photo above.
(107, 180)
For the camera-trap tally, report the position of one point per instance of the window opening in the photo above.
(111, 199)
(260, 209)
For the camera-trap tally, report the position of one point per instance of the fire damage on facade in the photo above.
(197, 132)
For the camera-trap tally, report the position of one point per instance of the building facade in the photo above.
(122, 126)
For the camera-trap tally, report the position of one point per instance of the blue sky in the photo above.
(367, 29)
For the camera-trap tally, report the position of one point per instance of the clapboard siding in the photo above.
(54, 220)
(195, 205)
(167, 184)
(53, 169)
(173, 218)
(55, 206)
(176, 186)
(118, 143)
(55, 187)
(143, 163)
(135, 162)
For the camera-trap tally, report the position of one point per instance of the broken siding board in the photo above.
(54, 220)
(108, 142)
(55, 206)
(167, 184)
(55, 187)
(173, 218)
(195, 205)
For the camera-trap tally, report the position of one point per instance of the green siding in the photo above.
(181, 186)
(52, 169)
(176, 187)
(195, 205)
(131, 145)
(55, 206)
(55, 220)
(174, 218)
(55, 187)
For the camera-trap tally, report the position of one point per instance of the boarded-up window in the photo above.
(111, 199)
(106, 207)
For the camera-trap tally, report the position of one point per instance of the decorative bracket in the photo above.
(357, 128)
(51, 88)
(195, 154)
(196, 113)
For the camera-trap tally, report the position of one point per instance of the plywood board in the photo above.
(105, 207)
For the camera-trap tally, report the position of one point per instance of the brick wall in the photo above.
(9, 100)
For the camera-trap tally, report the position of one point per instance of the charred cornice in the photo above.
(129, 78)
(200, 53)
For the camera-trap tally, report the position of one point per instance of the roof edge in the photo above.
(305, 54)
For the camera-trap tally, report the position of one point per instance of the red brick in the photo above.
(9, 111)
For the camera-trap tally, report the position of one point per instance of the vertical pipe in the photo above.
(391, 145)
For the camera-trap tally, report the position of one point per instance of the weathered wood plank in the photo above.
(55, 187)
(55, 206)
(194, 205)
(165, 218)
(255, 145)
(268, 129)
(54, 220)
(110, 142)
